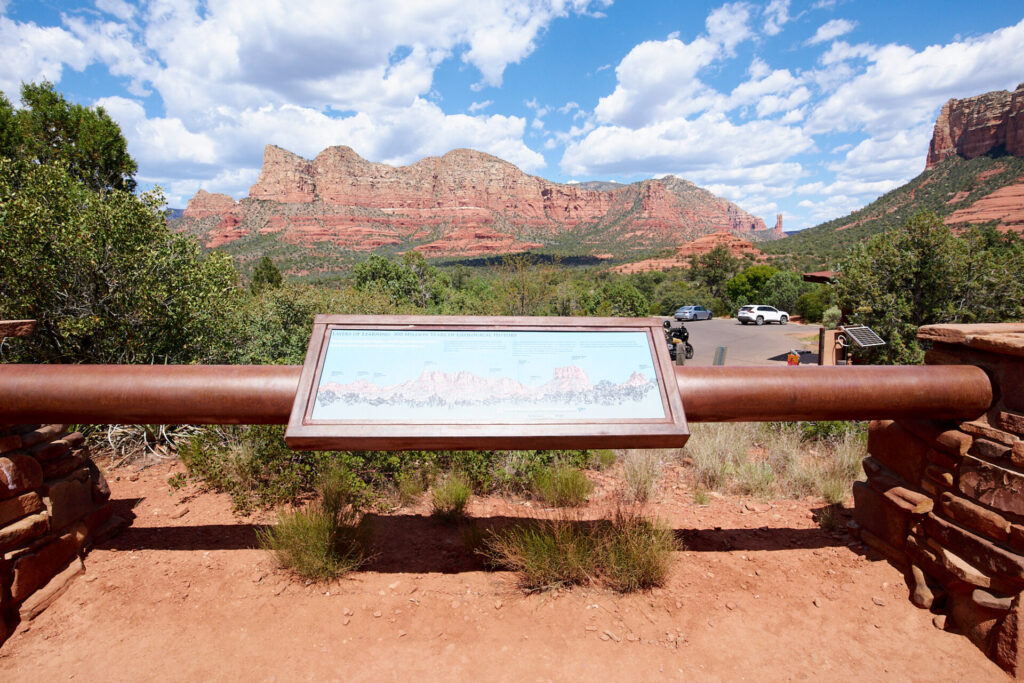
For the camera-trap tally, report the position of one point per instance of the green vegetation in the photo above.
(953, 184)
(640, 471)
(922, 273)
(83, 141)
(562, 485)
(627, 553)
(265, 276)
(326, 539)
(451, 495)
(777, 459)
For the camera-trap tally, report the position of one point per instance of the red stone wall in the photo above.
(53, 506)
(944, 501)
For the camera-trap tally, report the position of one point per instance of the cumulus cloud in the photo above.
(901, 88)
(30, 53)
(707, 142)
(831, 29)
(776, 14)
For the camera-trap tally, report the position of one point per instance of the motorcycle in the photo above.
(674, 336)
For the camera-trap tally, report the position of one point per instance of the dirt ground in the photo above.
(759, 592)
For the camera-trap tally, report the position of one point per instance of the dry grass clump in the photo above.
(640, 471)
(324, 540)
(562, 485)
(451, 495)
(769, 459)
(627, 553)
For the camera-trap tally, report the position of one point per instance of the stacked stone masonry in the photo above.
(54, 503)
(944, 501)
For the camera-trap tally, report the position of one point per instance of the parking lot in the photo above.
(749, 344)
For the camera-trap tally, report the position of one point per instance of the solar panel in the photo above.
(863, 336)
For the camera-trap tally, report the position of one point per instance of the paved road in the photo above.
(749, 344)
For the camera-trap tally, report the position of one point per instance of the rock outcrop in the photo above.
(971, 127)
(737, 246)
(464, 203)
(1005, 205)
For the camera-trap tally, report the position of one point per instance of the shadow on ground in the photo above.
(425, 544)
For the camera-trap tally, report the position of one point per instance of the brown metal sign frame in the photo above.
(304, 432)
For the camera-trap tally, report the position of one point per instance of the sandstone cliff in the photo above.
(464, 203)
(971, 127)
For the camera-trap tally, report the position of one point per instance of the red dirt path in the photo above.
(762, 595)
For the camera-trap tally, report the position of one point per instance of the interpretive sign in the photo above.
(412, 382)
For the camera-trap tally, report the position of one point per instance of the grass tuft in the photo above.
(640, 470)
(451, 495)
(325, 540)
(562, 485)
(627, 553)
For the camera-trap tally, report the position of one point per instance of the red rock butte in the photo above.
(465, 203)
(979, 125)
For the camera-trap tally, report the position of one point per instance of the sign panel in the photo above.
(397, 382)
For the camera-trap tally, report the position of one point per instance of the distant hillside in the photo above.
(974, 175)
(320, 216)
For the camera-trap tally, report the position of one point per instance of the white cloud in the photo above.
(480, 106)
(117, 8)
(707, 142)
(728, 26)
(776, 14)
(32, 53)
(901, 89)
(831, 29)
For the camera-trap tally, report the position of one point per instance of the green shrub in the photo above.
(602, 458)
(562, 485)
(636, 553)
(640, 470)
(547, 553)
(831, 318)
(324, 540)
(451, 494)
(700, 496)
(626, 553)
(411, 486)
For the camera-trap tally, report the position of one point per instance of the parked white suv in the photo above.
(759, 315)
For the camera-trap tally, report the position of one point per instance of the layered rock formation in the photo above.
(737, 246)
(1005, 206)
(464, 203)
(971, 127)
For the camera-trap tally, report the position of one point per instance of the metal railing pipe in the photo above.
(263, 394)
(866, 392)
(148, 394)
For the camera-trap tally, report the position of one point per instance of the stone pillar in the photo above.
(53, 504)
(944, 501)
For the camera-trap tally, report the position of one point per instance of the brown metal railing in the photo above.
(258, 394)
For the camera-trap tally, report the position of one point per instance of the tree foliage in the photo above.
(409, 281)
(745, 287)
(922, 273)
(265, 276)
(83, 140)
(714, 269)
(103, 276)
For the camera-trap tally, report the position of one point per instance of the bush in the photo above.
(547, 554)
(831, 318)
(636, 553)
(451, 494)
(324, 540)
(804, 459)
(562, 486)
(640, 470)
(627, 553)
(254, 464)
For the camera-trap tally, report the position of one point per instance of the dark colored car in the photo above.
(693, 313)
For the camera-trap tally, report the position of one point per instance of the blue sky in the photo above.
(811, 109)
